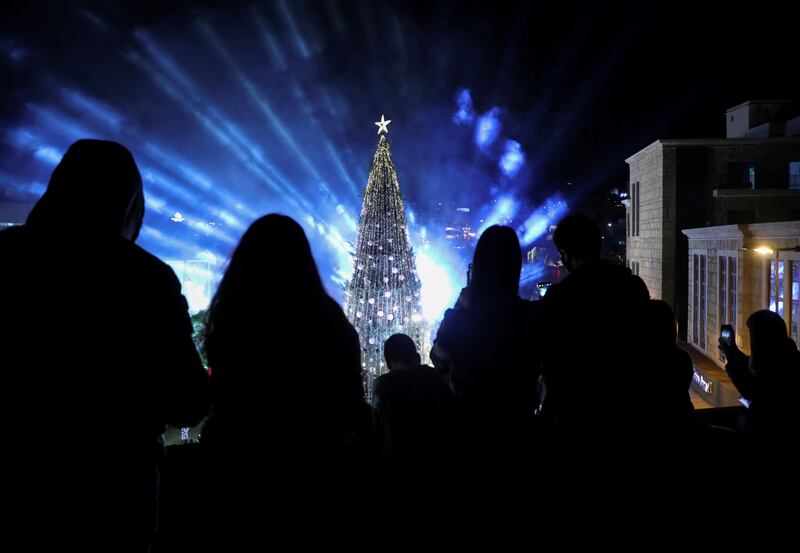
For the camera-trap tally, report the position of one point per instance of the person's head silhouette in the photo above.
(272, 274)
(578, 240)
(96, 189)
(400, 352)
(496, 264)
(661, 324)
(769, 341)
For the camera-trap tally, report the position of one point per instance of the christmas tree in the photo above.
(383, 297)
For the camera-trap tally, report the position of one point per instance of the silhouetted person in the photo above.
(594, 319)
(285, 372)
(97, 356)
(666, 374)
(768, 378)
(487, 346)
(410, 403)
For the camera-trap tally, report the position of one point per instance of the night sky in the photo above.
(236, 111)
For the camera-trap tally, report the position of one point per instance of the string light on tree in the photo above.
(383, 296)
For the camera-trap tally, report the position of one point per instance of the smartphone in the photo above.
(726, 334)
(543, 286)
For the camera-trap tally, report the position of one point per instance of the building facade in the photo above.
(752, 176)
(728, 280)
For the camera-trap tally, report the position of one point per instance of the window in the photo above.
(723, 290)
(795, 320)
(794, 174)
(634, 265)
(741, 174)
(695, 292)
(634, 211)
(732, 289)
(699, 301)
(727, 291)
(772, 299)
(634, 207)
(633, 220)
(787, 300)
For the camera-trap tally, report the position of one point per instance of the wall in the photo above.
(752, 282)
(647, 168)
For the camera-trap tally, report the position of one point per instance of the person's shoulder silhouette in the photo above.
(288, 401)
(95, 339)
(278, 343)
(770, 377)
(611, 302)
(579, 242)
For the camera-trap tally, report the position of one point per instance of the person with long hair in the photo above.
(285, 362)
(486, 345)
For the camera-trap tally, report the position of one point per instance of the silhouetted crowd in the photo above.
(97, 356)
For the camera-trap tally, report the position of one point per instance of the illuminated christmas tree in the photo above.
(383, 297)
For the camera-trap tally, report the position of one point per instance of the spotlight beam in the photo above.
(272, 46)
(217, 124)
(220, 134)
(302, 48)
(259, 101)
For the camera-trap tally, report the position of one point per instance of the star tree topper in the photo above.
(382, 125)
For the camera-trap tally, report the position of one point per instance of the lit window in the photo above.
(795, 320)
(699, 300)
(794, 174)
(772, 299)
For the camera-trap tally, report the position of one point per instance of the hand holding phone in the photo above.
(726, 335)
(543, 286)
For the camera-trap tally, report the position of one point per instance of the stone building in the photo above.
(696, 211)
(751, 176)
